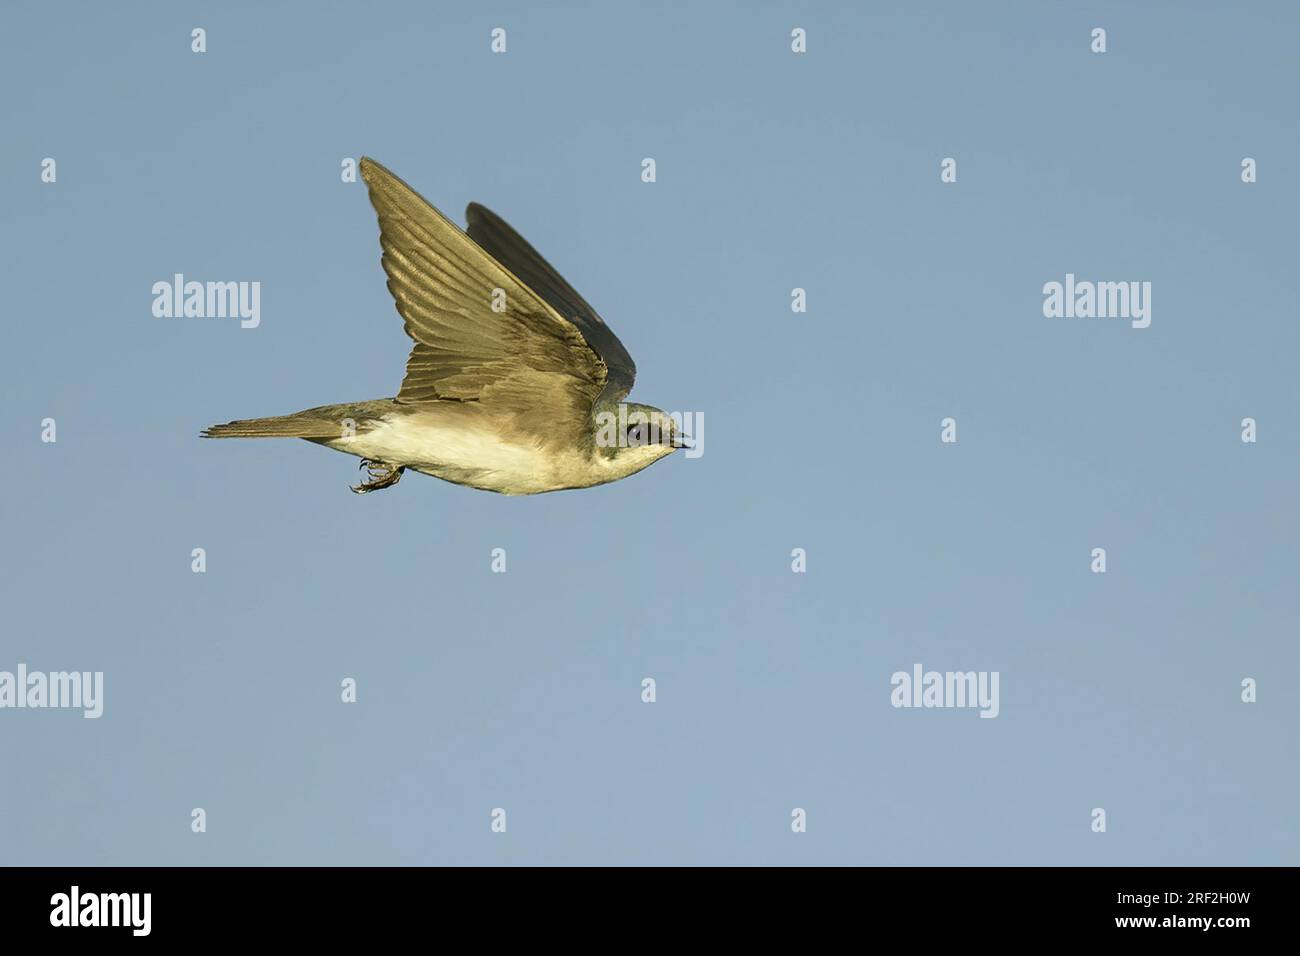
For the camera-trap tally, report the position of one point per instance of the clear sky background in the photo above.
(523, 690)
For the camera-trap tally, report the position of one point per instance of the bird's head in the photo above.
(631, 436)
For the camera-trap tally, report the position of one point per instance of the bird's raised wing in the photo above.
(513, 251)
(525, 359)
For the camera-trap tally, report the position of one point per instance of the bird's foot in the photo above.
(381, 476)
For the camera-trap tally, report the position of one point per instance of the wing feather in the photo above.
(509, 248)
(528, 359)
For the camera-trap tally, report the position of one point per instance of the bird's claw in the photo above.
(381, 476)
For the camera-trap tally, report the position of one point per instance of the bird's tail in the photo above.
(301, 425)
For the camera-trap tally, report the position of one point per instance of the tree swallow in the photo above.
(514, 384)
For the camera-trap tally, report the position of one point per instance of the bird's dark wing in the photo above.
(513, 251)
(526, 359)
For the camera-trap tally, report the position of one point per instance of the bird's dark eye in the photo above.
(643, 433)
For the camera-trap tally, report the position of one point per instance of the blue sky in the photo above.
(523, 690)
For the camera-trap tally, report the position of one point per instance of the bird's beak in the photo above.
(680, 441)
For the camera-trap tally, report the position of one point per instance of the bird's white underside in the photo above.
(466, 452)
(482, 457)
(451, 452)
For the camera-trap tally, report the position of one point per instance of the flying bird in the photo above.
(514, 383)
